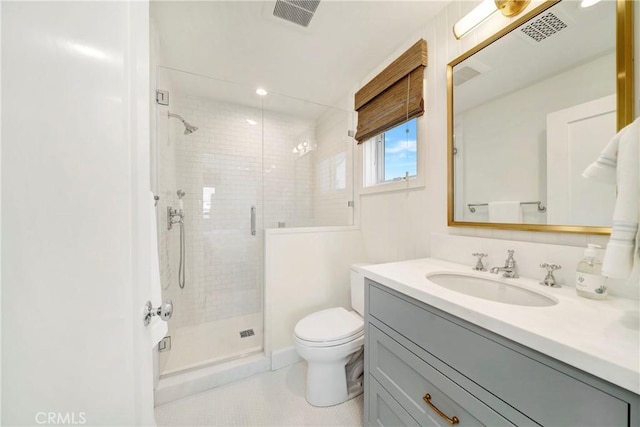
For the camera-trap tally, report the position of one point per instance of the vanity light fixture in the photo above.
(588, 3)
(261, 91)
(484, 10)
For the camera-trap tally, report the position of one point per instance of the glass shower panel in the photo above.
(219, 311)
(308, 161)
(252, 163)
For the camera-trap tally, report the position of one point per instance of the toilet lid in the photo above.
(329, 325)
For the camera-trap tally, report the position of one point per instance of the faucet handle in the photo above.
(510, 261)
(551, 267)
(479, 266)
(549, 279)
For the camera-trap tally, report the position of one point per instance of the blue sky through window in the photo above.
(400, 151)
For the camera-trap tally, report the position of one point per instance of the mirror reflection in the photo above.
(525, 128)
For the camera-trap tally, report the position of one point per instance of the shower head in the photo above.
(180, 194)
(188, 128)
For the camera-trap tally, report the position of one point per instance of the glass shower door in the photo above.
(219, 312)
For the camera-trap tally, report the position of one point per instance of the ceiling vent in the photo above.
(544, 27)
(299, 12)
(464, 74)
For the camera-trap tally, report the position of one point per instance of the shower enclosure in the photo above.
(243, 163)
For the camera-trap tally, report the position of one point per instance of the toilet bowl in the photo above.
(331, 341)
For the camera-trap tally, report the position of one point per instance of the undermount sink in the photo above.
(492, 290)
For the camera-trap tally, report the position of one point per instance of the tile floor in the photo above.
(274, 398)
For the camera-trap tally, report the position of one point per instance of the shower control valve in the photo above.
(164, 311)
(174, 216)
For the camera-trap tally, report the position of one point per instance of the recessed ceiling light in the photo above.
(261, 92)
(252, 122)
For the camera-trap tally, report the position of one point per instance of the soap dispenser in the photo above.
(589, 281)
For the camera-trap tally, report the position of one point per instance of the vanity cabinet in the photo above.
(424, 367)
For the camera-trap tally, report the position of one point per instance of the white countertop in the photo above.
(598, 337)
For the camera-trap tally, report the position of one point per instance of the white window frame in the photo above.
(417, 181)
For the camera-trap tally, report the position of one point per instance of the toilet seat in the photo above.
(318, 344)
(331, 327)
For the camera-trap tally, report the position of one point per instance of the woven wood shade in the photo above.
(394, 95)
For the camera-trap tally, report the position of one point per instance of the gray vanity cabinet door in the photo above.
(409, 379)
(384, 410)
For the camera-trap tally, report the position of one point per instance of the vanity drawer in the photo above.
(542, 392)
(409, 379)
(384, 410)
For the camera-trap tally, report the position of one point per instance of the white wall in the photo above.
(75, 153)
(306, 270)
(398, 225)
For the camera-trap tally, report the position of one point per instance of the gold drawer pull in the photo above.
(454, 420)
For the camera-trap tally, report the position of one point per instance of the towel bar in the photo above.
(541, 207)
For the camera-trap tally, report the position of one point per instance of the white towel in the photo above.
(622, 251)
(158, 327)
(604, 168)
(505, 212)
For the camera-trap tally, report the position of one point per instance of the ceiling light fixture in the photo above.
(261, 91)
(484, 10)
(252, 122)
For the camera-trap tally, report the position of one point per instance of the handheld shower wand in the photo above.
(180, 194)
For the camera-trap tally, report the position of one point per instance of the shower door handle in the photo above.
(253, 220)
(164, 311)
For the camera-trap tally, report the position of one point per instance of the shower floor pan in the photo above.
(193, 347)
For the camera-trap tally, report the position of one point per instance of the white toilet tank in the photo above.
(357, 289)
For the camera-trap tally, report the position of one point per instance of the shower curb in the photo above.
(189, 383)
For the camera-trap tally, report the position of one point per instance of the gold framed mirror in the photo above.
(559, 70)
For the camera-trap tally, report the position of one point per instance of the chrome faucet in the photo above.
(510, 268)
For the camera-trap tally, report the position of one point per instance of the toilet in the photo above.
(332, 343)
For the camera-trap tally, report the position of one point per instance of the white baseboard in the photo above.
(284, 357)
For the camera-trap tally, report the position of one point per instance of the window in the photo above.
(391, 155)
(388, 107)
